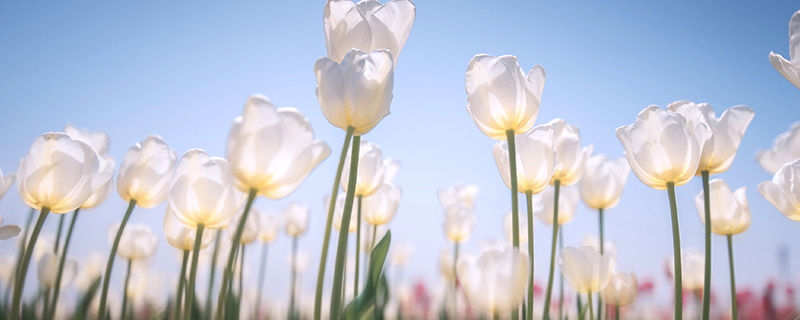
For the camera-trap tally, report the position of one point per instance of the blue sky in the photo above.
(184, 69)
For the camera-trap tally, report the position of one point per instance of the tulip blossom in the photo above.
(48, 268)
(373, 170)
(271, 149)
(8, 231)
(458, 196)
(5, 182)
(296, 219)
(523, 230)
(590, 240)
(694, 265)
(202, 191)
(567, 204)
(621, 289)
(458, 225)
(107, 164)
(338, 213)
(446, 265)
(725, 133)
(570, 157)
(181, 236)
(381, 207)
(146, 171)
(59, 173)
(138, 241)
(730, 212)
(602, 182)
(356, 92)
(585, 269)
(782, 191)
(91, 269)
(96, 139)
(536, 159)
(367, 25)
(662, 147)
(496, 280)
(790, 69)
(268, 225)
(785, 148)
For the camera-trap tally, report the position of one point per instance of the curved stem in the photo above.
(326, 239)
(358, 245)
(226, 275)
(26, 259)
(556, 186)
(181, 282)
(293, 283)
(124, 310)
(707, 276)
(602, 251)
(676, 245)
(213, 266)
(591, 312)
(561, 278)
(101, 311)
(61, 261)
(734, 307)
(455, 281)
(341, 246)
(512, 160)
(261, 269)
(198, 240)
(241, 276)
(529, 198)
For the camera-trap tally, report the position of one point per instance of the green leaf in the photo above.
(82, 309)
(231, 306)
(583, 311)
(361, 305)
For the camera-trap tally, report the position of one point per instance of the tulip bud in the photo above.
(730, 212)
(146, 171)
(458, 225)
(296, 216)
(268, 225)
(602, 182)
(380, 208)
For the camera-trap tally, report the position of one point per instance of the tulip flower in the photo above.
(91, 269)
(48, 268)
(296, 217)
(730, 214)
(459, 196)
(338, 214)
(590, 240)
(381, 207)
(790, 69)
(137, 242)
(446, 265)
(96, 139)
(495, 281)
(586, 270)
(58, 174)
(274, 171)
(785, 148)
(357, 91)
(717, 156)
(621, 290)
(268, 226)
(367, 25)
(567, 204)
(458, 225)
(664, 151)
(693, 269)
(5, 182)
(782, 192)
(373, 170)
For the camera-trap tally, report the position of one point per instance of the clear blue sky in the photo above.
(184, 69)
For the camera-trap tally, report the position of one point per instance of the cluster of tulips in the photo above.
(270, 151)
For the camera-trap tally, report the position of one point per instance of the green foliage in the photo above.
(82, 308)
(583, 311)
(363, 306)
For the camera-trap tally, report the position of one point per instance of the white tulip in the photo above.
(107, 164)
(621, 289)
(338, 210)
(373, 169)
(567, 204)
(536, 160)
(459, 196)
(181, 236)
(380, 208)
(137, 242)
(5, 182)
(146, 171)
(570, 157)
(693, 269)
(47, 270)
(785, 148)
(250, 230)
(590, 240)
(730, 212)
(496, 280)
(585, 269)
(97, 139)
(268, 225)
(790, 69)
(296, 216)
(458, 225)
(782, 192)
(602, 182)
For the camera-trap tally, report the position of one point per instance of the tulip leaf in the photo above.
(362, 305)
(583, 311)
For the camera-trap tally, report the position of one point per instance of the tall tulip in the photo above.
(495, 280)
(730, 214)
(143, 180)
(458, 225)
(586, 270)
(270, 152)
(268, 226)
(785, 148)
(367, 25)
(664, 151)
(296, 217)
(782, 192)
(790, 69)
(58, 174)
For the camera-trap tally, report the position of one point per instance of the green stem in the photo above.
(292, 285)
(358, 245)
(20, 253)
(676, 244)
(616, 312)
(46, 302)
(58, 233)
(26, 259)
(341, 246)
(580, 302)
(210, 292)
(181, 282)
(226, 275)
(561, 279)
(344, 280)
(261, 269)
(734, 307)
(556, 186)
(241, 275)
(62, 260)
(455, 281)
(602, 251)
(529, 198)
(198, 240)
(591, 305)
(512, 160)
(707, 279)
(125, 291)
(101, 312)
(328, 223)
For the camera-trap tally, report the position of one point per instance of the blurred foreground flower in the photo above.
(495, 280)
(48, 269)
(621, 290)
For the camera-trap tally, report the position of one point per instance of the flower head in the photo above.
(782, 192)
(790, 69)
(146, 171)
(602, 182)
(585, 269)
(730, 212)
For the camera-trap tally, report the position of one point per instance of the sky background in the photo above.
(183, 70)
